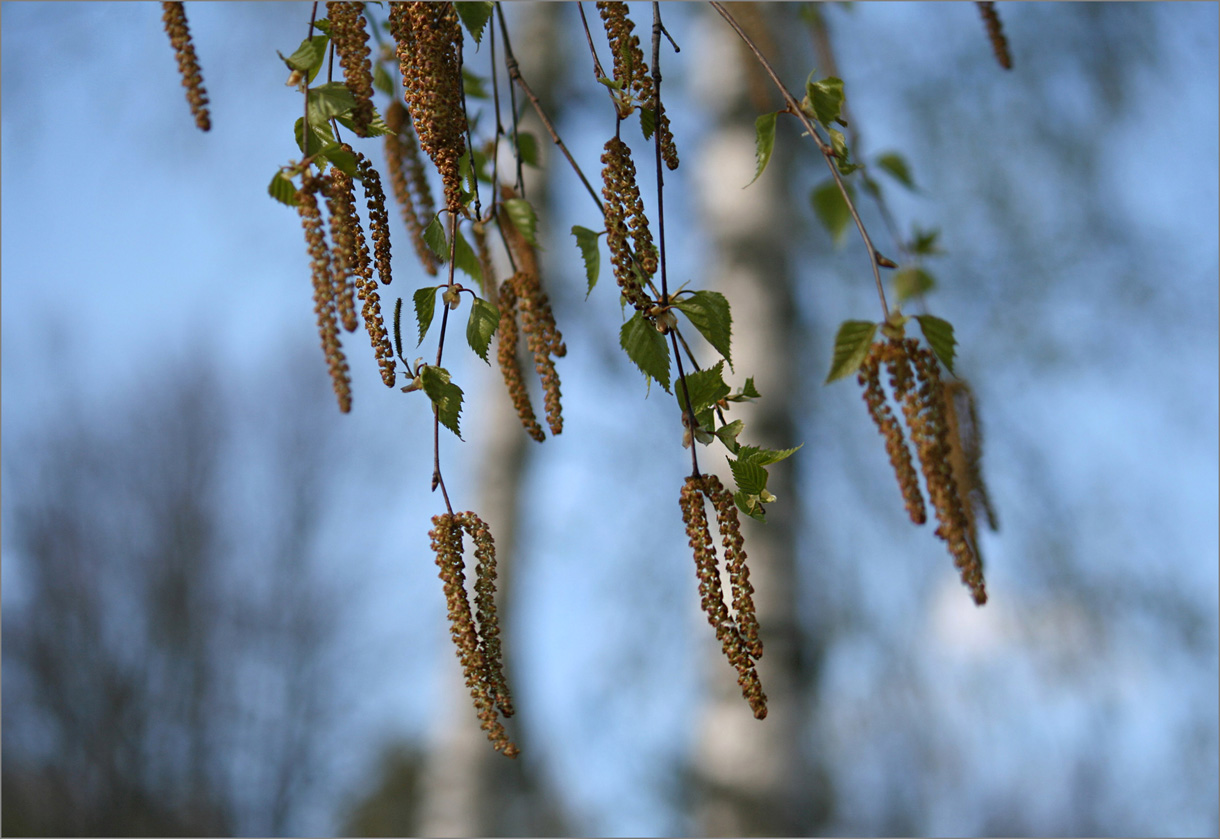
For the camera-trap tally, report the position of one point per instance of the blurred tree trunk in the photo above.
(753, 777)
(468, 789)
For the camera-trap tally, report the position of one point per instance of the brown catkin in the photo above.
(887, 424)
(625, 216)
(379, 219)
(341, 206)
(429, 40)
(485, 607)
(446, 537)
(966, 439)
(995, 33)
(323, 291)
(542, 335)
(410, 182)
(174, 17)
(929, 430)
(737, 648)
(349, 35)
(510, 368)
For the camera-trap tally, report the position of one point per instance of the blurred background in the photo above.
(220, 612)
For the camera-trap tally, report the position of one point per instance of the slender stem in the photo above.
(689, 411)
(437, 479)
(656, 136)
(794, 108)
(597, 65)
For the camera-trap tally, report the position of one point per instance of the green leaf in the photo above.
(329, 100)
(648, 122)
(826, 99)
(474, 87)
(939, 334)
(748, 391)
(465, 259)
(484, 318)
(523, 218)
(896, 165)
(322, 25)
(382, 81)
(425, 308)
(343, 159)
(842, 153)
(320, 136)
(851, 346)
(282, 189)
(586, 240)
(308, 57)
(434, 238)
(728, 435)
(751, 477)
(751, 505)
(646, 348)
(912, 281)
(765, 457)
(923, 242)
(527, 148)
(706, 388)
(474, 17)
(445, 396)
(764, 142)
(376, 128)
(831, 209)
(708, 312)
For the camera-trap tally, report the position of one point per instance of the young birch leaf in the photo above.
(586, 240)
(474, 17)
(832, 210)
(646, 348)
(343, 159)
(445, 396)
(523, 218)
(748, 391)
(911, 282)
(751, 478)
(826, 99)
(851, 346)
(527, 148)
(939, 334)
(329, 100)
(708, 312)
(282, 189)
(425, 308)
(484, 318)
(465, 259)
(308, 56)
(750, 505)
(764, 141)
(765, 457)
(434, 238)
(706, 388)
(648, 122)
(842, 153)
(896, 165)
(728, 435)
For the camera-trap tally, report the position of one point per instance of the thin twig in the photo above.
(794, 108)
(514, 74)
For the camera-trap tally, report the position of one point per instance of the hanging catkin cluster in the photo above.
(738, 634)
(631, 71)
(625, 217)
(174, 17)
(916, 386)
(995, 33)
(325, 306)
(475, 634)
(521, 296)
(348, 33)
(429, 40)
(410, 182)
(366, 288)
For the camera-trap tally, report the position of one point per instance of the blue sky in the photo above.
(129, 236)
